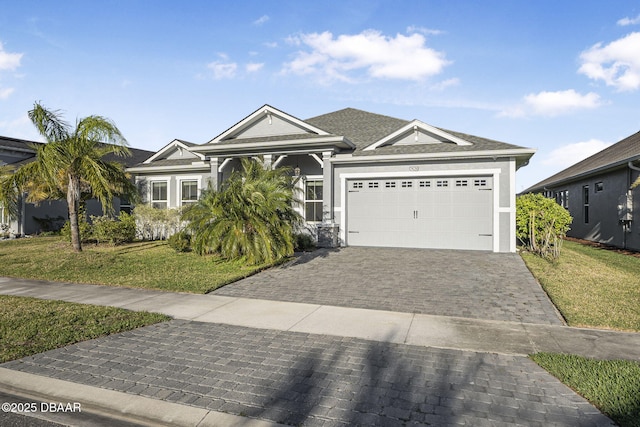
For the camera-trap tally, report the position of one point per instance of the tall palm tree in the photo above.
(72, 162)
(250, 217)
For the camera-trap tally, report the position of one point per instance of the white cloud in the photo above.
(261, 20)
(223, 70)
(9, 61)
(617, 64)
(629, 21)
(445, 84)
(252, 67)
(5, 92)
(553, 104)
(423, 30)
(567, 155)
(382, 57)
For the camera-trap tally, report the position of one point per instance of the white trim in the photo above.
(224, 163)
(278, 160)
(258, 114)
(411, 127)
(176, 168)
(176, 143)
(495, 173)
(312, 142)
(307, 178)
(512, 204)
(493, 154)
(315, 156)
(179, 179)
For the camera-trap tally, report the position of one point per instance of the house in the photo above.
(597, 192)
(49, 215)
(365, 179)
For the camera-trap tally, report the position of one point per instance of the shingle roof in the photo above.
(360, 127)
(5, 141)
(364, 128)
(617, 154)
(165, 162)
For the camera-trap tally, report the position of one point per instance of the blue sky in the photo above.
(559, 76)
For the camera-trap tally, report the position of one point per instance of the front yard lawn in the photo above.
(611, 385)
(591, 287)
(29, 326)
(150, 265)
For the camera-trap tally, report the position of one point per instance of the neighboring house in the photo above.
(34, 219)
(597, 192)
(365, 179)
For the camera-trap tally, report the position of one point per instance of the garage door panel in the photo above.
(425, 212)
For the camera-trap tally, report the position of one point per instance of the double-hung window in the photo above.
(188, 192)
(159, 194)
(313, 201)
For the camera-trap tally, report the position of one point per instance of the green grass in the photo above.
(591, 287)
(151, 265)
(30, 326)
(613, 386)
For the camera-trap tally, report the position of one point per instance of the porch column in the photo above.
(214, 176)
(268, 160)
(327, 188)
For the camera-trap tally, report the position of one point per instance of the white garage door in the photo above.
(438, 212)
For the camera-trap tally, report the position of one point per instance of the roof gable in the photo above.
(267, 122)
(418, 133)
(176, 149)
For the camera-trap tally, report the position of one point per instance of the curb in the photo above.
(117, 405)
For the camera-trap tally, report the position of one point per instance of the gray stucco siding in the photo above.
(173, 181)
(604, 223)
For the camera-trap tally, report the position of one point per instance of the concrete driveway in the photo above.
(472, 284)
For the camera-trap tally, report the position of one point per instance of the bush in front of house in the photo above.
(115, 231)
(303, 242)
(180, 241)
(541, 224)
(157, 224)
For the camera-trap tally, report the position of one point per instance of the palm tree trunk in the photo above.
(73, 202)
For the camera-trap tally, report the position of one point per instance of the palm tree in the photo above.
(72, 162)
(250, 217)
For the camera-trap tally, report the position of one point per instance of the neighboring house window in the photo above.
(188, 192)
(599, 187)
(313, 201)
(125, 204)
(159, 194)
(585, 203)
(562, 198)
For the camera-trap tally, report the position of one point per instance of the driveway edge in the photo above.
(118, 405)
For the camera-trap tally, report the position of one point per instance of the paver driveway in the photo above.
(471, 284)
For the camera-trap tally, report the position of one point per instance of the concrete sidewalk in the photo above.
(383, 326)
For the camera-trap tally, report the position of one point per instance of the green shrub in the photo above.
(180, 241)
(156, 224)
(114, 230)
(86, 231)
(541, 224)
(303, 242)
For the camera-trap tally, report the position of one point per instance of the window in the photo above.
(424, 184)
(585, 203)
(390, 184)
(562, 198)
(407, 184)
(461, 183)
(159, 194)
(125, 205)
(188, 192)
(442, 183)
(373, 185)
(599, 187)
(313, 200)
(480, 182)
(355, 185)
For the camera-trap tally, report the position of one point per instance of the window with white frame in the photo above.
(313, 201)
(188, 192)
(159, 198)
